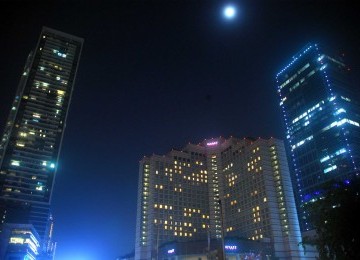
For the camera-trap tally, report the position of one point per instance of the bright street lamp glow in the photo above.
(229, 12)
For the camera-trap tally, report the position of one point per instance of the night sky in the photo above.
(155, 75)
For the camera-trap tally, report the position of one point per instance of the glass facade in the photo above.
(30, 145)
(321, 113)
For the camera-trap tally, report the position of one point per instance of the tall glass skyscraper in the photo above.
(31, 142)
(321, 111)
(218, 188)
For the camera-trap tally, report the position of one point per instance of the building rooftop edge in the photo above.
(297, 56)
(202, 145)
(67, 35)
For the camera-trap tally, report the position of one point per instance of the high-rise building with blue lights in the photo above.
(321, 113)
(31, 142)
(217, 189)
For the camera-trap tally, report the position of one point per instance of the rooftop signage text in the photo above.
(231, 247)
(212, 143)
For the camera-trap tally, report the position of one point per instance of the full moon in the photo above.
(229, 12)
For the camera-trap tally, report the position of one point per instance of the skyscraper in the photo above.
(219, 188)
(322, 118)
(31, 142)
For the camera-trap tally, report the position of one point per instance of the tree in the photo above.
(336, 218)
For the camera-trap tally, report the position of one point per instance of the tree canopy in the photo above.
(336, 218)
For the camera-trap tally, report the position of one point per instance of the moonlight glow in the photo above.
(229, 12)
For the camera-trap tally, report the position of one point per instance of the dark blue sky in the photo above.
(153, 76)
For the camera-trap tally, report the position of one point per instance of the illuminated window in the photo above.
(16, 240)
(15, 163)
(331, 168)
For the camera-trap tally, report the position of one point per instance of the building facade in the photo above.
(19, 241)
(31, 142)
(217, 189)
(321, 112)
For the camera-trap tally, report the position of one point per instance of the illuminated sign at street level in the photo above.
(230, 247)
(212, 143)
(171, 251)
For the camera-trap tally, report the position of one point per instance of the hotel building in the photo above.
(218, 189)
(321, 112)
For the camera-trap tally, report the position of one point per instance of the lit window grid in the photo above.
(255, 230)
(164, 175)
(38, 122)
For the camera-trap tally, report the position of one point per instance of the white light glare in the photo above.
(229, 12)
